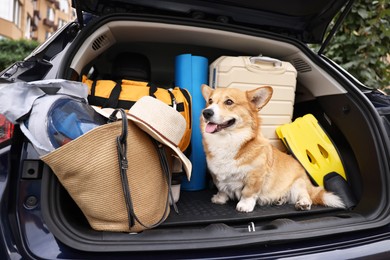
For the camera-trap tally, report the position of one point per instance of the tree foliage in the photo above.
(14, 50)
(362, 45)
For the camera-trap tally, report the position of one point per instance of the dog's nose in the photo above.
(208, 113)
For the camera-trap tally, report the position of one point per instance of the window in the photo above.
(61, 23)
(27, 28)
(6, 10)
(17, 10)
(50, 14)
(47, 35)
(64, 6)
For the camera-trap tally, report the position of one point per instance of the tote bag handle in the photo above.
(123, 166)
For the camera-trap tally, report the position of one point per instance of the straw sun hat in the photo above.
(160, 121)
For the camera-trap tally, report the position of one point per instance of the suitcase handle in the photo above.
(275, 62)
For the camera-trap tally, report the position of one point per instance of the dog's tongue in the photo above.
(211, 127)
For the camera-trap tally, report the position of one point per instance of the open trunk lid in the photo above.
(304, 20)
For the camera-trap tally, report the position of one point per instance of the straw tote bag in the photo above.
(118, 176)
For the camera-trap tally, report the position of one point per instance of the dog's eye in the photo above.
(210, 101)
(229, 102)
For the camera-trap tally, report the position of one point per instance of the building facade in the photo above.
(33, 19)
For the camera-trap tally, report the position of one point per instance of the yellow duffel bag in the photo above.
(124, 93)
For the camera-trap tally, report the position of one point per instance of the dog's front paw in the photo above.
(246, 205)
(220, 198)
(303, 204)
(280, 201)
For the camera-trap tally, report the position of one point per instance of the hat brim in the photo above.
(187, 165)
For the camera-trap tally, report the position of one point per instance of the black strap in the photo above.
(173, 99)
(152, 89)
(93, 88)
(187, 96)
(123, 165)
(101, 101)
(121, 142)
(113, 99)
(167, 172)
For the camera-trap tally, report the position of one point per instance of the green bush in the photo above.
(14, 50)
(363, 43)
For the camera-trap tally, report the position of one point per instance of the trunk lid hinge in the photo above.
(79, 13)
(336, 26)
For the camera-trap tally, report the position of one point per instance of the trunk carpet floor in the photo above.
(195, 207)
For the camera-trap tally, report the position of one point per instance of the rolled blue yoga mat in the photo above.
(190, 73)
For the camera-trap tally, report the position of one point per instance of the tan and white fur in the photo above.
(243, 164)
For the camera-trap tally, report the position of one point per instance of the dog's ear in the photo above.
(260, 96)
(206, 92)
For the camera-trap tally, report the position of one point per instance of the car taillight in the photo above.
(6, 129)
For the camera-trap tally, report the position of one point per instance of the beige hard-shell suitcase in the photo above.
(246, 72)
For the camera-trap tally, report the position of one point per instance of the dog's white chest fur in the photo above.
(222, 162)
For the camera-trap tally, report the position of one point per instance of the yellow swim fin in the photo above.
(308, 142)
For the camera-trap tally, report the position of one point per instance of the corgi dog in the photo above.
(243, 164)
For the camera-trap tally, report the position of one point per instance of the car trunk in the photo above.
(342, 110)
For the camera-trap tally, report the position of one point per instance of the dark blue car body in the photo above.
(39, 220)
